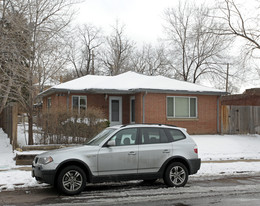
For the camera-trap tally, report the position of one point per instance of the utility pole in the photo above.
(227, 77)
(92, 66)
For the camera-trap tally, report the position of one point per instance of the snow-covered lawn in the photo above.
(244, 149)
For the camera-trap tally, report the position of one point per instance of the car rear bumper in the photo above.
(194, 165)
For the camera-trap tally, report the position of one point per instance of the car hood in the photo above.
(86, 148)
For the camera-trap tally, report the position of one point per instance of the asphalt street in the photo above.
(225, 190)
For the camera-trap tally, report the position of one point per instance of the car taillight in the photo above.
(196, 149)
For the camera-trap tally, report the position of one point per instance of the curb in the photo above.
(26, 168)
(231, 161)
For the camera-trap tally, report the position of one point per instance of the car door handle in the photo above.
(132, 153)
(166, 151)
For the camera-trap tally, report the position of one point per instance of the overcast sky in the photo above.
(142, 18)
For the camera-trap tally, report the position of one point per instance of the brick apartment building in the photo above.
(135, 98)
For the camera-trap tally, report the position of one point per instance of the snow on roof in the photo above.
(130, 82)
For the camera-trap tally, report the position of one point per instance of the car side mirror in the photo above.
(111, 143)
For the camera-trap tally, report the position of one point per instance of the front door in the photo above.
(115, 110)
(121, 158)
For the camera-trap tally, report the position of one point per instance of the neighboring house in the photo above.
(135, 98)
(241, 112)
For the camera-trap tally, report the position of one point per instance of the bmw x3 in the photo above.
(121, 153)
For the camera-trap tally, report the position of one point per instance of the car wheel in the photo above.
(176, 175)
(71, 180)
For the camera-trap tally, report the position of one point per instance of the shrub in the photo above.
(63, 127)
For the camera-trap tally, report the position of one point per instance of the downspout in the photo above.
(144, 107)
(218, 115)
(68, 101)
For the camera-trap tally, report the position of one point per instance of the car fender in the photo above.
(76, 162)
(174, 159)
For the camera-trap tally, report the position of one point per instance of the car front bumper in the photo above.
(46, 176)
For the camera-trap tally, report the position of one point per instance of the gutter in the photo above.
(129, 91)
(68, 101)
(218, 115)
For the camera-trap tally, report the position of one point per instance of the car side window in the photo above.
(153, 136)
(176, 134)
(125, 137)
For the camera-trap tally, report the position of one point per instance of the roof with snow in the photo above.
(130, 82)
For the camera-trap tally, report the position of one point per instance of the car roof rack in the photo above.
(159, 124)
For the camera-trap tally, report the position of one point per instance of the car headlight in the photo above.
(45, 160)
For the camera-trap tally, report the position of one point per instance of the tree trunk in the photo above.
(30, 129)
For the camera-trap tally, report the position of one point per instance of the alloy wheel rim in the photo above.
(72, 180)
(177, 175)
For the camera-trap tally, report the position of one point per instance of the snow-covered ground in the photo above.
(221, 155)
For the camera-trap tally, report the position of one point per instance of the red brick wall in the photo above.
(155, 109)
(139, 108)
(58, 101)
(205, 123)
(93, 100)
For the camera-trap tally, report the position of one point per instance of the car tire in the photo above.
(176, 175)
(71, 180)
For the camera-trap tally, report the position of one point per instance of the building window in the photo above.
(79, 103)
(49, 103)
(181, 107)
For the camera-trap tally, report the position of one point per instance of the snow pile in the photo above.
(7, 154)
(11, 179)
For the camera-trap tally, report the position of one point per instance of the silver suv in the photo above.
(131, 152)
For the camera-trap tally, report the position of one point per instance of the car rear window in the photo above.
(153, 136)
(175, 134)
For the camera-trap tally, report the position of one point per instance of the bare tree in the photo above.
(5, 79)
(242, 22)
(117, 51)
(50, 63)
(84, 49)
(151, 60)
(44, 21)
(237, 24)
(194, 50)
(14, 45)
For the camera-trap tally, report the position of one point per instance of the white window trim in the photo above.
(78, 96)
(174, 112)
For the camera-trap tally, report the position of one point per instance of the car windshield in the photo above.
(100, 137)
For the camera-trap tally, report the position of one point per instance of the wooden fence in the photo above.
(8, 122)
(240, 119)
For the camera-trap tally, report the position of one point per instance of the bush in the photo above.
(62, 127)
